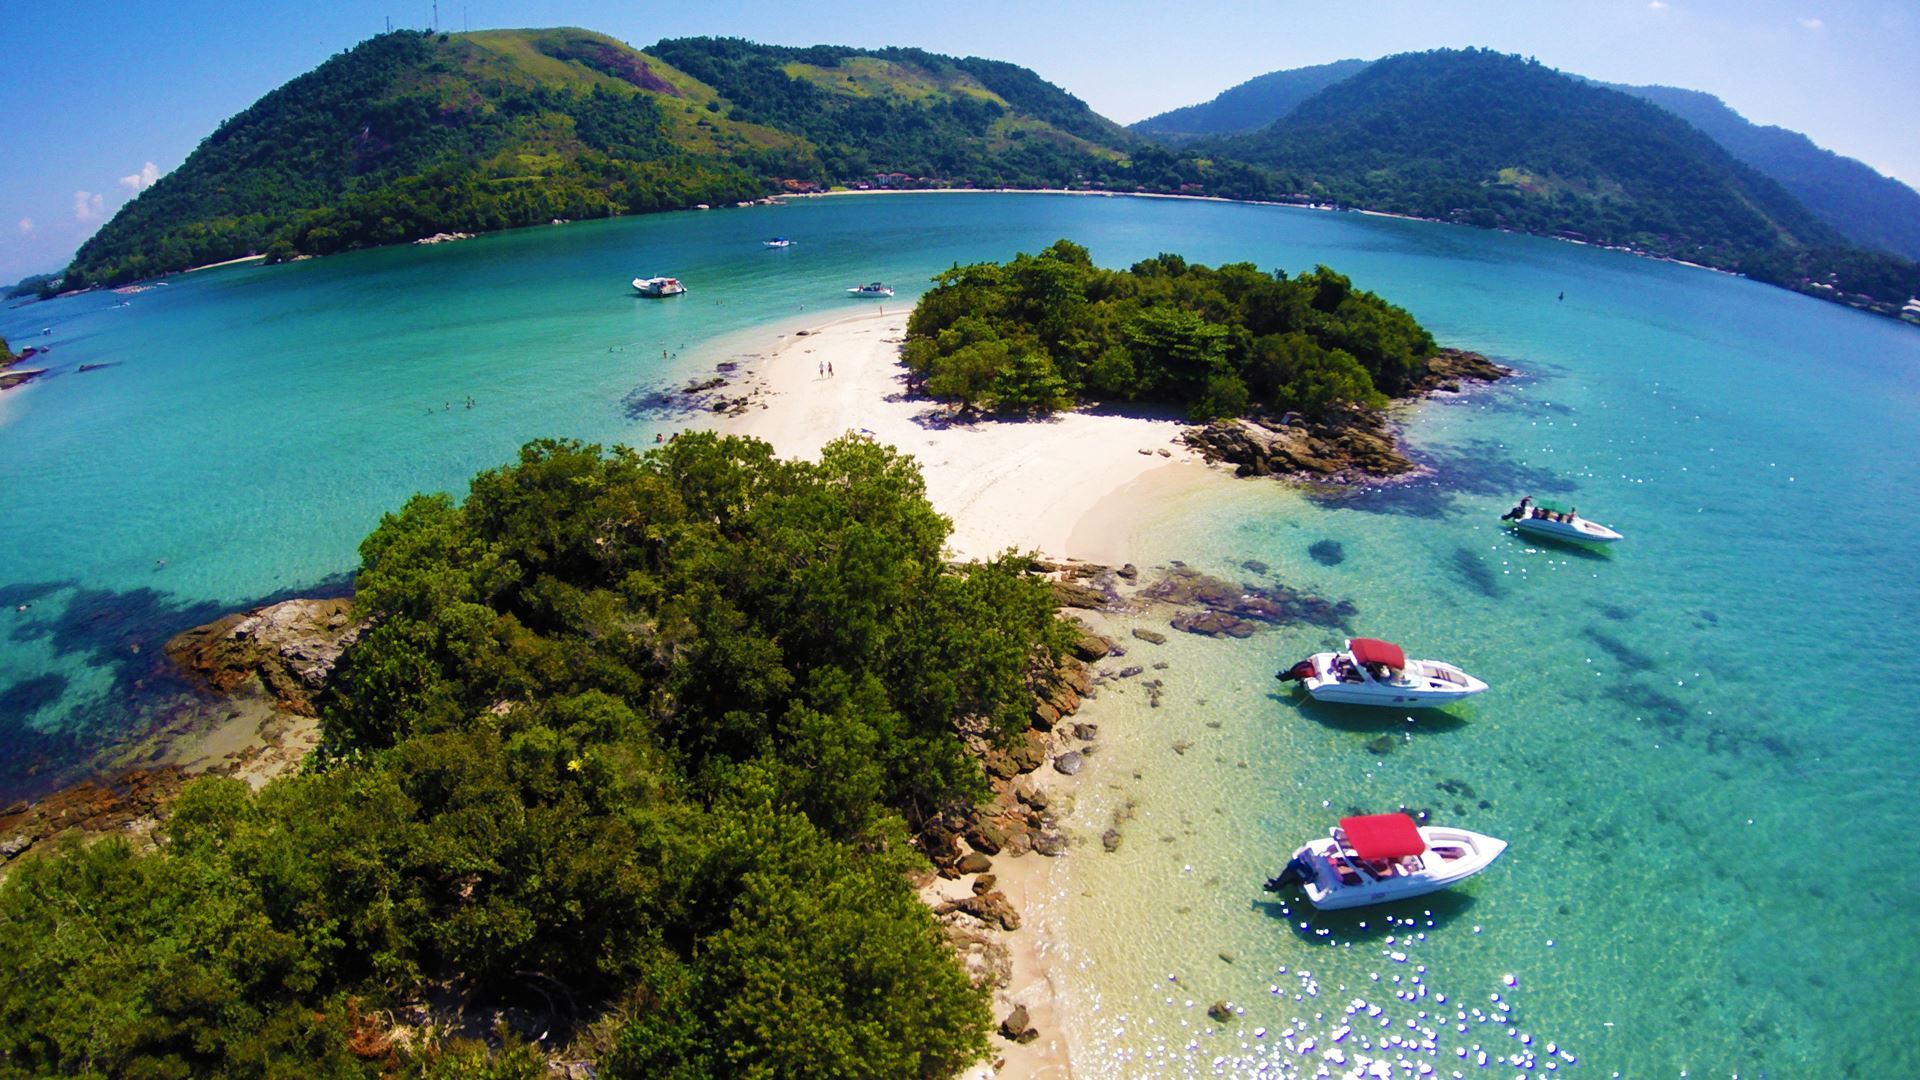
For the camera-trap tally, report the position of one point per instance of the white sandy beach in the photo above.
(1026, 485)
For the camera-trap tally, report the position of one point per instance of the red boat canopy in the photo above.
(1383, 836)
(1374, 651)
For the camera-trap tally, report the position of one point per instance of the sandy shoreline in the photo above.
(1076, 486)
(1026, 485)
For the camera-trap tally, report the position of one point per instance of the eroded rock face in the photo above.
(292, 646)
(1347, 445)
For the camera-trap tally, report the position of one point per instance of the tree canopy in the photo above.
(631, 741)
(1045, 331)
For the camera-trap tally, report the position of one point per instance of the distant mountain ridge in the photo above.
(1867, 207)
(1252, 105)
(1492, 139)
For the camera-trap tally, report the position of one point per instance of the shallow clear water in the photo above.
(1695, 743)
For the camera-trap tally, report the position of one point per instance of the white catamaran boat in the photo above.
(777, 242)
(872, 289)
(1375, 672)
(1379, 858)
(658, 286)
(1558, 522)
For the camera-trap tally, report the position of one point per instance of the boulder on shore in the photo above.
(292, 647)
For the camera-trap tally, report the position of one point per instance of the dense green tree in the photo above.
(632, 737)
(1044, 330)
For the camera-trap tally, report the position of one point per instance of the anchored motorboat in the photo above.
(658, 286)
(777, 242)
(1375, 672)
(871, 289)
(1558, 522)
(1379, 858)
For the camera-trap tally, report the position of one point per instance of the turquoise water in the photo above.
(1695, 743)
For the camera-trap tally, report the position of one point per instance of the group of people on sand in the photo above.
(1527, 510)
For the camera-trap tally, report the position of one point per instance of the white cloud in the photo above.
(141, 180)
(1657, 5)
(89, 206)
(26, 224)
(1813, 24)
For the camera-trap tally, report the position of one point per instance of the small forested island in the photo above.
(1309, 354)
(633, 743)
(10, 378)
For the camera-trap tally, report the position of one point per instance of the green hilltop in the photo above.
(409, 134)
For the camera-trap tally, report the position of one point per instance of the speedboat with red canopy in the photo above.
(1379, 858)
(1375, 672)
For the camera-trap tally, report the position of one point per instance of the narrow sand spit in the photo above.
(1026, 485)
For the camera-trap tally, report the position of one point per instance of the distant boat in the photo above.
(871, 289)
(658, 286)
(1378, 858)
(1559, 523)
(1375, 672)
(777, 242)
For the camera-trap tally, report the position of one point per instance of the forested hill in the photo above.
(1866, 207)
(408, 134)
(1501, 141)
(1250, 106)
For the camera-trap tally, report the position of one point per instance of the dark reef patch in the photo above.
(1628, 657)
(122, 631)
(1481, 468)
(1471, 567)
(1327, 552)
(20, 700)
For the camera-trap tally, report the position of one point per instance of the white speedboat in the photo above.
(871, 289)
(1558, 522)
(1375, 672)
(1379, 858)
(658, 286)
(777, 242)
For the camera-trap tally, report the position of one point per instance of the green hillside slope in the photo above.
(1252, 105)
(1476, 135)
(1868, 208)
(409, 134)
(1500, 141)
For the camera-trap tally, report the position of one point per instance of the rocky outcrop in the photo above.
(1223, 609)
(291, 646)
(1449, 367)
(128, 803)
(1351, 444)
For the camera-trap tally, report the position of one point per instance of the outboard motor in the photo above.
(1296, 873)
(1301, 670)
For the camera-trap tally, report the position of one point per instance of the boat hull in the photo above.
(1426, 692)
(1580, 531)
(1327, 891)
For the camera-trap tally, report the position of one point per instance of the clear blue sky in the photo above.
(91, 93)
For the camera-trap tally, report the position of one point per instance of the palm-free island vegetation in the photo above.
(410, 135)
(638, 741)
(649, 746)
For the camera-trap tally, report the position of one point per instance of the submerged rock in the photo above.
(1327, 552)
